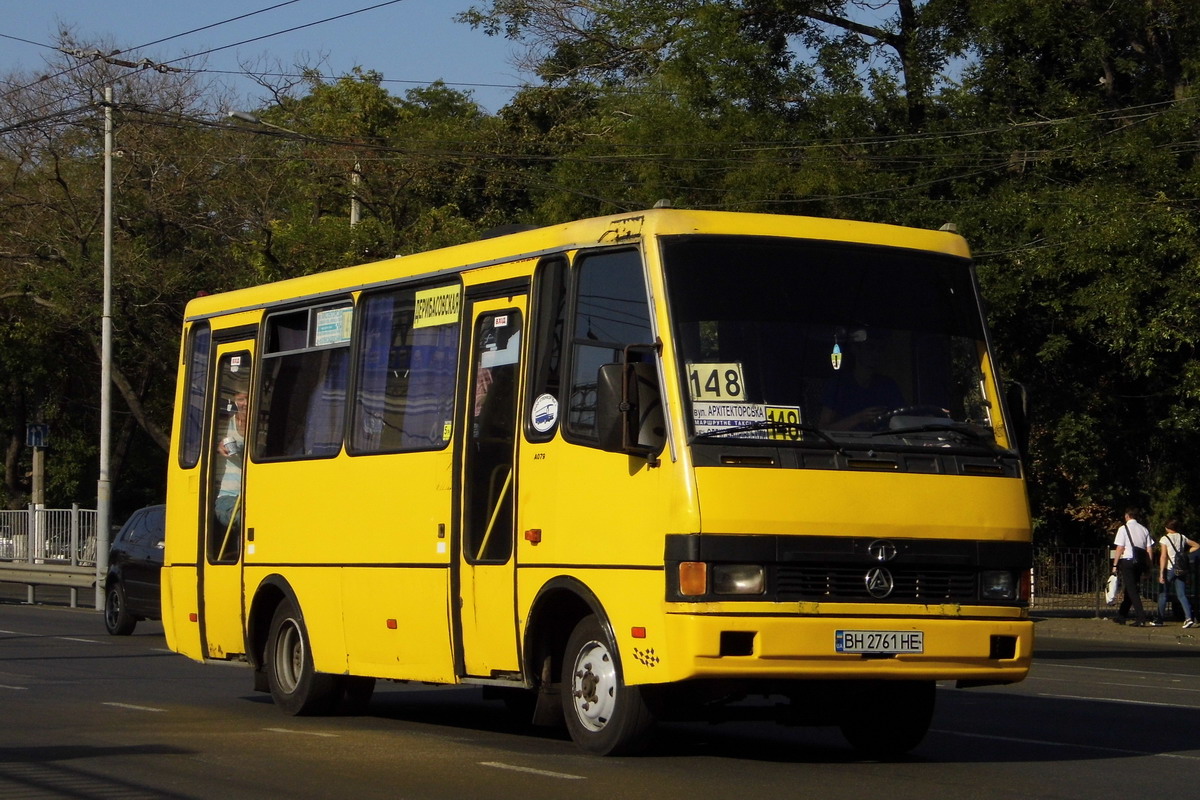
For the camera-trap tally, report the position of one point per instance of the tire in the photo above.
(603, 715)
(886, 719)
(117, 618)
(296, 686)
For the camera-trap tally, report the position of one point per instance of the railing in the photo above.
(49, 547)
(57, 547)
(1075, 579)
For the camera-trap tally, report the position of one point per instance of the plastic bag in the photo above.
(1110, 593)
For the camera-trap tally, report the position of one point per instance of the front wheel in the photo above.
(295, 685)
(886, 719)
(117, 618)
(603, 715)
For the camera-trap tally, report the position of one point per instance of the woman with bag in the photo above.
(1173, 567)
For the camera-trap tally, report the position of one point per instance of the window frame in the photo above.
(570, 432)
(195, 374)
(268, 353)
(357, 372)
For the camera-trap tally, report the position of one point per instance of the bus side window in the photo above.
(611, 311)
(198, 352)
(228, 457)
(550, 322)
(406, 363)
(305, 371)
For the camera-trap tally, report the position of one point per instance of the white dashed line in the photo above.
(302, 733)
(135, 708)
(531, 771)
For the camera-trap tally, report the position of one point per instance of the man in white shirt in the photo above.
(1132, 537)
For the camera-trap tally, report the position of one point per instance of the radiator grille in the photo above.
(849, 583)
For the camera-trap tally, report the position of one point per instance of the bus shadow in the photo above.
(969, 727)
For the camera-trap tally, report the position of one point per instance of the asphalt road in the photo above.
(1106, 712)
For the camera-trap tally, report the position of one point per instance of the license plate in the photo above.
(885, 642)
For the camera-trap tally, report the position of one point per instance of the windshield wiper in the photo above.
(774, 425)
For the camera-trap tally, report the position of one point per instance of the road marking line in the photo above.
(1122, 685)
(1077, 745)
(303, 733)
(1059, 665)
(14, 688)
(1108, 700)
(133, 707)
(531, 771)
(48, 636)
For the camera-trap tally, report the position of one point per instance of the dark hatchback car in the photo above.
(131, 588)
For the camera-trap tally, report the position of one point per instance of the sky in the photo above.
(411, 42)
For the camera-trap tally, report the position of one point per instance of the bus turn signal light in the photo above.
(693, 578)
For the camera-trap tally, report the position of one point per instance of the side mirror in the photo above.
(629, 416)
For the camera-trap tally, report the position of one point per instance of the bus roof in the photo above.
(534, 243)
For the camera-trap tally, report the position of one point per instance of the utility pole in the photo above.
(104, 485)
(355, 204)
(355, 175)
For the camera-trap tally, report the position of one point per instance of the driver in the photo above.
(859, 392)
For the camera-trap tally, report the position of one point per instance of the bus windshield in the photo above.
(828, 344)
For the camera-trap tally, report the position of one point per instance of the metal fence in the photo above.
(64, 536)
(1069, 580)
(1075, 580)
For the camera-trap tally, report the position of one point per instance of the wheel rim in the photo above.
(289, 656)
(112, 609)
(594, 686)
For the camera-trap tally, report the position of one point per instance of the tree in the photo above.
(165, 244)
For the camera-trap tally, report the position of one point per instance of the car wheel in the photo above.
(117, 618)
(603, 715)
(295, 685)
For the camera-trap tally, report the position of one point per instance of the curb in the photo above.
(1171, 634)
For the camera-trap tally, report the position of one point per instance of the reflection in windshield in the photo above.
(780, 336)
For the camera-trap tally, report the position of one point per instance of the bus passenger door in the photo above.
(222, 512)
(487, 490)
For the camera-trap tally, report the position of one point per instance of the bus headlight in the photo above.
(738, 579)
(998, 584)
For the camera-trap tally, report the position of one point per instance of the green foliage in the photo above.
(1059, 135)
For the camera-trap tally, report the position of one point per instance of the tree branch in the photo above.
(134, 403)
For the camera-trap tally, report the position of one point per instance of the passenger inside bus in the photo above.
(228, 467)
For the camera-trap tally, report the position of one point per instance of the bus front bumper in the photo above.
(966, 648)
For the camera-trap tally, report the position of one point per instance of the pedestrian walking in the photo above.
(1174, 566)
(1131, 560)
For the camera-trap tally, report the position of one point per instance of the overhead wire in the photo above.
(101, 56)
(285, 30)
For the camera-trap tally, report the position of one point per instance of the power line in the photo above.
(286, 30)
(146, 63)
(215, 24)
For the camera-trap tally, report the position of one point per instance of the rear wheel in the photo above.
(295, 685)
(603, 715)
(117, 618)
(886, 719)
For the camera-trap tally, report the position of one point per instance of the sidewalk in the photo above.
(1068, 627)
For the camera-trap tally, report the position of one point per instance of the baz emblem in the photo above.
(879, 583)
